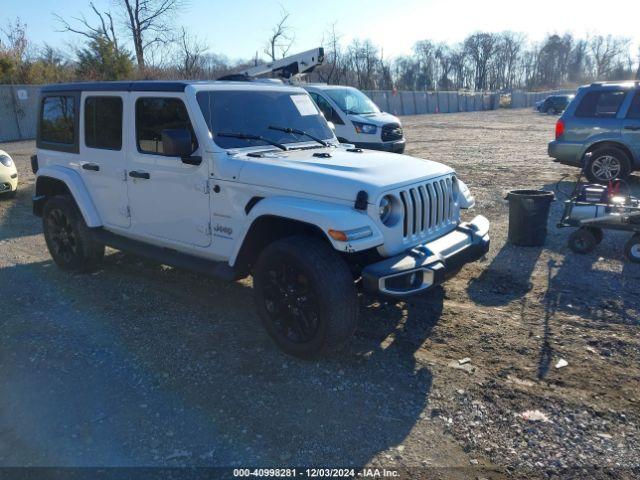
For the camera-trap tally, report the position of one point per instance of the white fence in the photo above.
(18, 108)
(19, 104)
(419, 103)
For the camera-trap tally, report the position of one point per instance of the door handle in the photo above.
(632, 127)
(94, 167)
(135, 174)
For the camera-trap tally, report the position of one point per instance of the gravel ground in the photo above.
(144, 365)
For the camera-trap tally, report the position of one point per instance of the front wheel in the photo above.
(305, 296)
(68, 238)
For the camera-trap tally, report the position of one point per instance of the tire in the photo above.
(606, 164)
(306, 296)
(551, 111)
(582, 241)
(598, 234)
(68, 238)
(632, 249)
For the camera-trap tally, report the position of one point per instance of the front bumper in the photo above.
(396, 146)
(430, 264)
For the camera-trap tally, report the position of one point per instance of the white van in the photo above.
(357, 119)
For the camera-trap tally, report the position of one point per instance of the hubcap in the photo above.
(606, 167)
(62, 236)
(581, 243)
(635, 250)
(291, 303)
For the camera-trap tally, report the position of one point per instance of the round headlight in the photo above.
(6, 161)
(385, 209)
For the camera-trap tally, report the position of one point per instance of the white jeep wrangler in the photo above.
(239, 178)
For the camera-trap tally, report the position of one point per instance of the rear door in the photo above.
(103, 160)
(596, 117)
(631, 126)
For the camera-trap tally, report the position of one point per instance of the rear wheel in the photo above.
(582, 241)
(632, 249)
(68, 238)
(551, 111)
(606, 164)
(305, 296)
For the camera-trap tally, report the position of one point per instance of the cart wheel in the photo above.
(632, 249)
(598, 234)
(582, 240)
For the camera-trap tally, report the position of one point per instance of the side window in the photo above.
(634, 109)
(603, 104)
(326, 109)
(155, 114)
(58, 120)
(103, 122)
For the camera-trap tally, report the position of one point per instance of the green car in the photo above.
(600, 130)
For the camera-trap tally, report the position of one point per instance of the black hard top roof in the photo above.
(136, 86)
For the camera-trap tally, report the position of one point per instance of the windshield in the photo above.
(252, 113)
(352, 101)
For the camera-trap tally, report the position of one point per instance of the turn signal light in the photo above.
(338, 236)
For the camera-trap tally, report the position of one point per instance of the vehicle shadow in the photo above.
(590, 289)
(16, 219)
(141, 364)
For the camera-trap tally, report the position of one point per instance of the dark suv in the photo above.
(601, 130)
(554, 104)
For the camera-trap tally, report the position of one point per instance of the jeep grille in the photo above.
(428, 207)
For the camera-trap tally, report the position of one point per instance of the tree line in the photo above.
(139, 39)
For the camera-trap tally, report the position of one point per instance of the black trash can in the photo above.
(528, 215)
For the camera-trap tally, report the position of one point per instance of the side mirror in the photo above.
(176, 142)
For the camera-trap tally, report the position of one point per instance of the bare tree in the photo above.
(281, 38)
(190, 55)
(149, 23)
(104, 30)
(606, 51)
(329, 72)
(481, 47)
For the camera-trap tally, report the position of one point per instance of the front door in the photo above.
(631, 126)
(169, 199)
(332, 115)
(104, 161)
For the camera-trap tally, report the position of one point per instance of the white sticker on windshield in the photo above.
(304, 105)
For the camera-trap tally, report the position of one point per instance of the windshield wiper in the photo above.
(247, 136)
(299, 132)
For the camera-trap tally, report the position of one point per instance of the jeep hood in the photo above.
(342, 175)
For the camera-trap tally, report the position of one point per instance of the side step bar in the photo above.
(167, 256)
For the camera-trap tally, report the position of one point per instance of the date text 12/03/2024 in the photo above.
(315, 473)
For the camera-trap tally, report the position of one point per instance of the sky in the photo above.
(239, 28)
